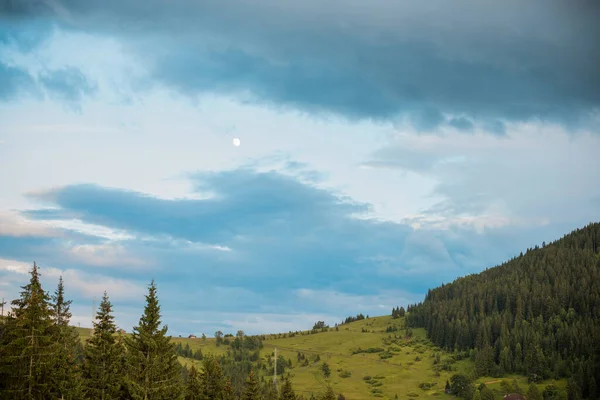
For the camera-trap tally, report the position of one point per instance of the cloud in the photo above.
(262, 244)
(104, 255)
(432, 64)
(13, 224)
(524, 179)
(78, 284)
(15, 81)
(23, 37)
(67, 84)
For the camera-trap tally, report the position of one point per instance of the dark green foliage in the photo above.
(359, 317)
(461, 386)
(533, 393)
(193, 387)
(213, 381)
(486, 394)
(251, 389)
(103, 365)
(551, 392)
(398, 312)
(287, 392)
(329, 394)
(573, 390)
(28, 346)
(484, 361)
(66, 373)
(151, 362)
(539, 313)
(326, 370)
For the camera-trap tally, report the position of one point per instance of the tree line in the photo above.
(42, 357)
(537, 314)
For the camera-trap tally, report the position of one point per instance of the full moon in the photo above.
(236, 142)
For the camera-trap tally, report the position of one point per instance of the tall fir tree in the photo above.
(287, 392)
(212, 379)
(251, 388)
(66, 371)
(29, 348)
(193, 389)
(103, 357)
(228, 390)
(152, 369)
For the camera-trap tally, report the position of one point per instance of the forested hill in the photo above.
(537, 314)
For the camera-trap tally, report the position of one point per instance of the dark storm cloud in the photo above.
(482, 61)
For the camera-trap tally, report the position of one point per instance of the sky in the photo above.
(387, 147)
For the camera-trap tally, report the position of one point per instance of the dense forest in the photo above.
(42, 357)
(537, 314)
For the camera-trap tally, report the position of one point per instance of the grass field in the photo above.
(411, 362)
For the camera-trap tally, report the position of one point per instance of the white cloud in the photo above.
(354, 303)
(86, 285)
(76, 225)
(12, 224)
(536, 175)
(105, 255)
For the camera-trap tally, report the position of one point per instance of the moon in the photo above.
(236, 142)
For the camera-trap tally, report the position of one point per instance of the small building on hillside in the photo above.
(192, 337)
(514, 396)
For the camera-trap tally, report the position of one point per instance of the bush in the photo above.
(345, 374)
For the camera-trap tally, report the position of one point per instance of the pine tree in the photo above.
(193, 390)
(251, 388)
(228, 390)
(573, 390)
(151, 361)
(287, 392)
(66, 372)
(212, 378)
(329, 394)
(103, 365)
(28, 344)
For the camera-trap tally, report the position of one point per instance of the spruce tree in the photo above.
(287, 392)
(66, 372)
(103, 353)
(329, 394)
(28, 344)
(193, 390)
(251, 388)
(228, 391)
(153, 371)
(212, 378)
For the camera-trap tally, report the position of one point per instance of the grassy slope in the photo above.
(400, 374)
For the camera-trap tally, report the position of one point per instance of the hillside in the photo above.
(537, 314)
(411, 362)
